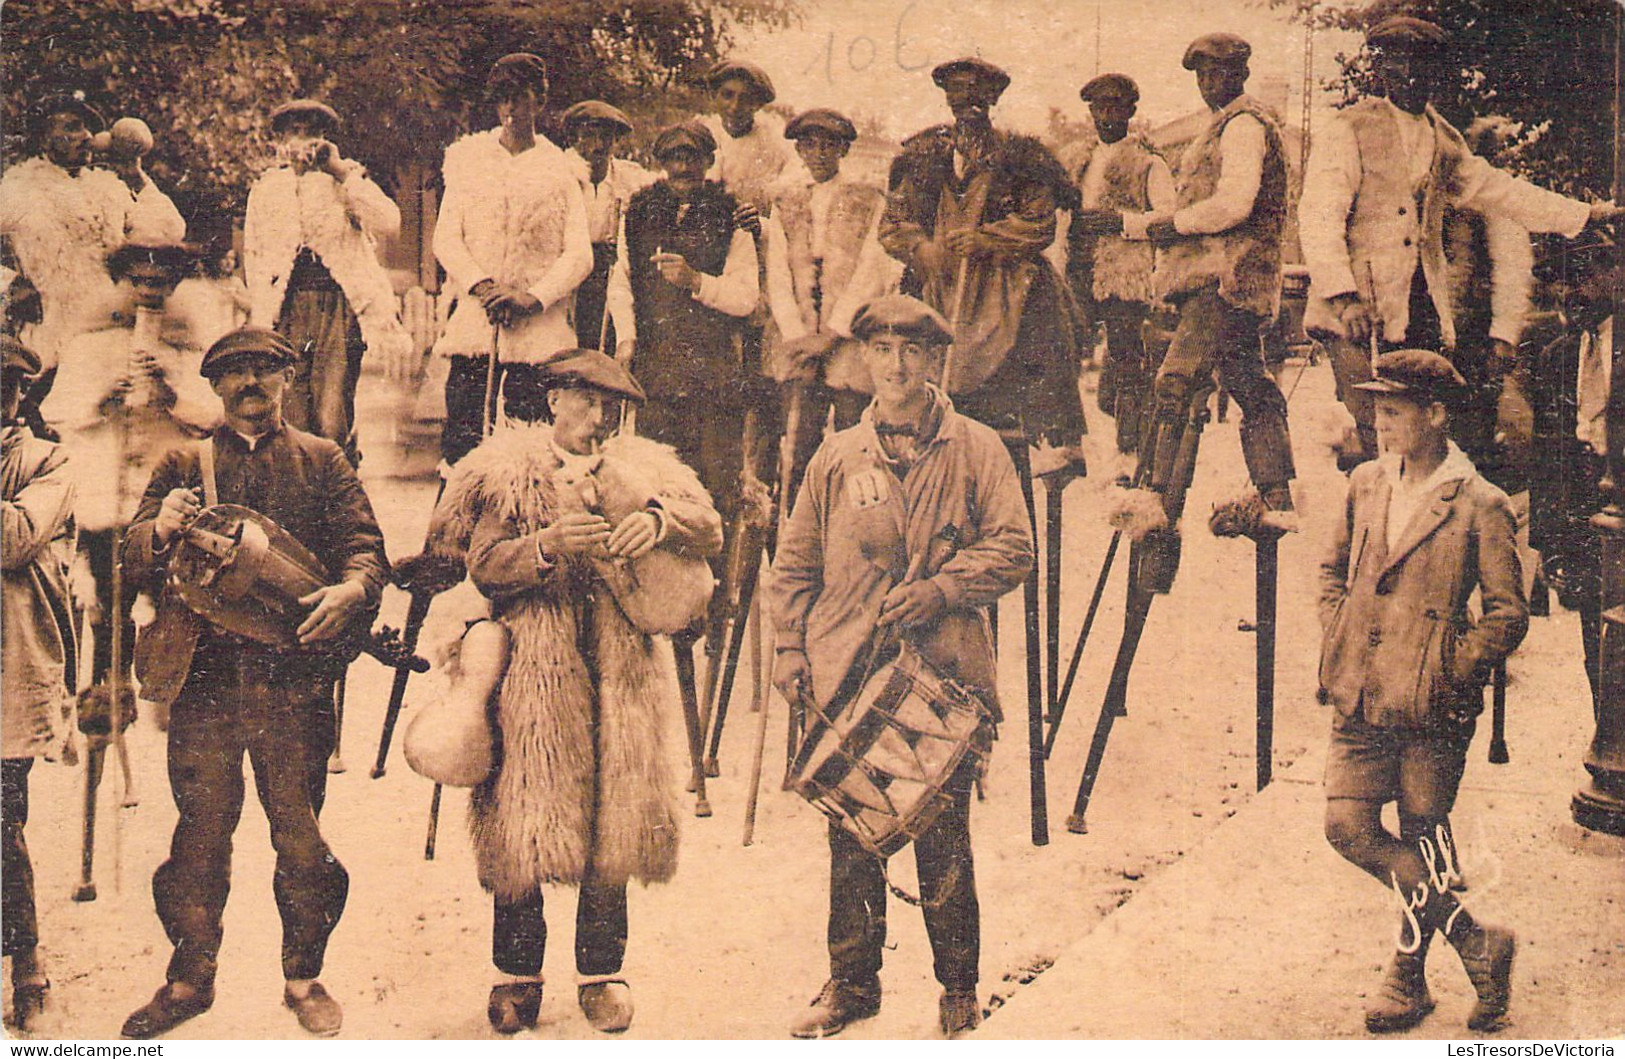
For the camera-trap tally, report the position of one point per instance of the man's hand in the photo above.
(969, 242)
(1162, 232)
(930, 257)
(575, 533)
(332, 607)
(1514, 415)
(635, 536)
(748, 217)
(677, 271)
(802, 356)
(792, 676)
(1605, 213)
(1356, 315)
(915, 603)
(178, 510)
(506, 305)
(1095, 222)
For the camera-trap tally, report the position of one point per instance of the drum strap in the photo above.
(205, 458)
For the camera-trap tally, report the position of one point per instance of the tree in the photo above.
(407, 75)
(1547, 66)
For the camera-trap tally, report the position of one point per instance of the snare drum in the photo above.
(880, 766)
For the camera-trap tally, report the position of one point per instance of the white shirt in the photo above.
(1407, 495)
(1241, 161)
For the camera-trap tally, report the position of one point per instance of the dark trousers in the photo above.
(466, 410)
(947, 873)
(326, 335)
(817, 400)
(1214, 335)
(1125, 385)
(591, 296)
(519, 931)
(98, 548)
(287, 732)
(19, 927)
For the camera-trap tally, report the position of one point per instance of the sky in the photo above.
(874, 57)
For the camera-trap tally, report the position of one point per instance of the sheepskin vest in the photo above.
(287, 211)
(853, 208)
(61, 228)
(1244, 261)
(1122, 268)
(683, 347)
(582, 776)
(1388, 230)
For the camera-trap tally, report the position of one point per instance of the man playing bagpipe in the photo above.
(256, 678)
(908, 526)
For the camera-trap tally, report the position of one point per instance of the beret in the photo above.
(1403, 29)
(596, 110)
(1416, 373)
(310, 110)
(589, 367)
(1111, 86)
(18, 355)
(821, 119)
(66, 103)
(750, 73)
(689, 134)
(131, 136)
(899, 314)
(245, 342)
(985, 72)
(1217, 47)
(520, 68)
(175, 258)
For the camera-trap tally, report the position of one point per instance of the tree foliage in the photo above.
(406, 75)
(1547, 66)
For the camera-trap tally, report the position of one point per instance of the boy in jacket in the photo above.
(1404, 665)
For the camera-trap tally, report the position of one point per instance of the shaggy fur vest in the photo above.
(1122, 267)
(61, 228)
(1490, 264)
(1244, 261)
(582, 776)
(287, 211)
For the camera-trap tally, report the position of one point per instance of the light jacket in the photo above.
(518, 220)
(1400, 647)
(584, 779)
(1360, 211)
(36, 624)
(341, 221)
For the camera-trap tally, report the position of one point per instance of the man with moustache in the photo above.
(969, 213)
(234, 696)
(310, 257)
(593, 128)
(876, 496)
(512, 235)
(1381, 176)
(1109, 266)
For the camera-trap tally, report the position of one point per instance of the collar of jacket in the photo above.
(229, 437)
(949, 425)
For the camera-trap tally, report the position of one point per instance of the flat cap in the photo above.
(18, 357)
(596, 110)
(177, 259)
(991, 77)
(1111, 86)
(245, 342)
(128, 138)
(67, 103)
(1416, 373)
(821, 119)
(589, 367)
(685, 134)
(312, 110)
(519, 68)
(1217, 47)
(899, 314)
(1403, 29)
(750, 73)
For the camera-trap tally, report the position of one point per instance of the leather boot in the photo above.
(1487, 955)
(839, 1004)
(1402, 1000)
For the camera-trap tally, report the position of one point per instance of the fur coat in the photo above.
(342, 222)
(519, 220)
(61, 228)
(557, 801)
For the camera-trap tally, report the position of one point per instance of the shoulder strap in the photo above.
(205, 455)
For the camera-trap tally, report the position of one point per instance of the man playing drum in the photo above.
(911, 474)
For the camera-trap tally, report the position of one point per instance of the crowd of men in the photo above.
(623, 344)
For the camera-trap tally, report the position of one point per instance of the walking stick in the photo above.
(335, 760)
(1058, 708)
(434, 823)
(760, 700)
(1054, 493)
(1035, 684)
(1498, 715)
(1268, 554)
